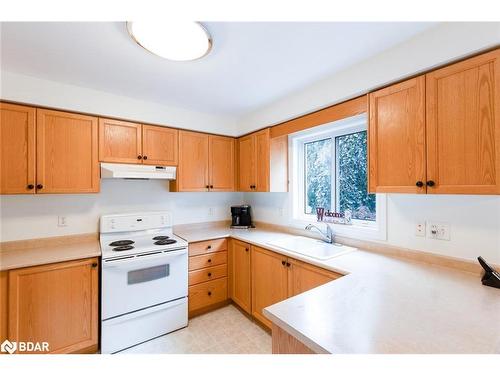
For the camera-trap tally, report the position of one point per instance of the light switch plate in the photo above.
(439, 231)
(62, 221)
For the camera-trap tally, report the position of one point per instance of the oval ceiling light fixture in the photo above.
(177, 41)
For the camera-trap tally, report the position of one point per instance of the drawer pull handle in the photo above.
(209, 261)
(210, 274)
(209, 293)
(209, 247)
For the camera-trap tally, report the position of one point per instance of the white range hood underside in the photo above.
(137, 171)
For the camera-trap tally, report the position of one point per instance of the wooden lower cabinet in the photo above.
(284, 343)
(269, 281)
(207, 275)
(259, 278)
(304, 276)
(240, 271)
(55, 303)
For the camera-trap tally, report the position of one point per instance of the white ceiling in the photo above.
(251, 64)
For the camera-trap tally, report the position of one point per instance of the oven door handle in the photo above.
(146, 311)
(145, 259)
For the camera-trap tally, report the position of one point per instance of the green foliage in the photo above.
(352, 176)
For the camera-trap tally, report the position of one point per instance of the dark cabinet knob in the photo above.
(31, 187)
(210, 274)
(246, 249)
(287, 264)
(39, 186)
(207, 186)
(145, 157)
(139, 157)
(283, 262)
(94, 265)
(209, 247)
(211, 186)
(209, 293)
(419, 184)
(209, 261)
(431, 183)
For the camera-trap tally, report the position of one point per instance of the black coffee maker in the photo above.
(241, 217)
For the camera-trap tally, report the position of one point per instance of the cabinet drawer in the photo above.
(208, 293)
(208, 260)
(207, 274)
(204, 247)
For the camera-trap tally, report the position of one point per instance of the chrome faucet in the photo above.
(328, 237)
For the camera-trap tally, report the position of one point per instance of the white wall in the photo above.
(436, 46)
(474, 221)
(24, 217)
(35, 91)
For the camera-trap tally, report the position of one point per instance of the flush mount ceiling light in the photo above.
(177, 41)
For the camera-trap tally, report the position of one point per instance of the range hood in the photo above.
(137, 171)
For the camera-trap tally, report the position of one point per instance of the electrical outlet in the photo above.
(439, 231)
(281, 211)
(62, 221)
(211, 211)
(420, 229)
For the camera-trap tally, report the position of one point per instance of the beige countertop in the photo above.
(383, 304)
(18, 254)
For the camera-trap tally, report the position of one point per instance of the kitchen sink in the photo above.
(311, 247)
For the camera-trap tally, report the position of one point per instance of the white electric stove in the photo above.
(144, 279)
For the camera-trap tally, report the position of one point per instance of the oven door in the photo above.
(136, 283)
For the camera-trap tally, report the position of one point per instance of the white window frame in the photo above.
(359, 228)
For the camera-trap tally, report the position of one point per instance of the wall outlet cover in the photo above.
(420, 229)
(62, 221)
(439, 231)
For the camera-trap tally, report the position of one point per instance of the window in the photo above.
(329, 170)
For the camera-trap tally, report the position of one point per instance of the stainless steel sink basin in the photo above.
(311, 247)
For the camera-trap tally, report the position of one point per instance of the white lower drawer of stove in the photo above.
(131, 329)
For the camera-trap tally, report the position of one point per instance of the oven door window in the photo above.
(148, 274)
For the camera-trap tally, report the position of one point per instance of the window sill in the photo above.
(357, 230)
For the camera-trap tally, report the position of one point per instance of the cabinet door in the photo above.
(397, 138)
(262, 160)
(66, 153)
(120, 141)
(269, 281)
(221, 163)
(240, 275)
(56, 303)
(303, 277)
(193, 162)
(463, 126)
(246, 163)
(159, 145)
(17, 143)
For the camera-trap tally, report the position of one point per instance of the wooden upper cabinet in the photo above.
(463, 126)
(262, 161)
(240, 275)
(303, 277)
(67, 160)
(192, 174)
(269, 281)
(246, 163)
(221, 163)
(56, 303)
(120, 141)
(17, 144)
(397, 138)
(159, 145)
